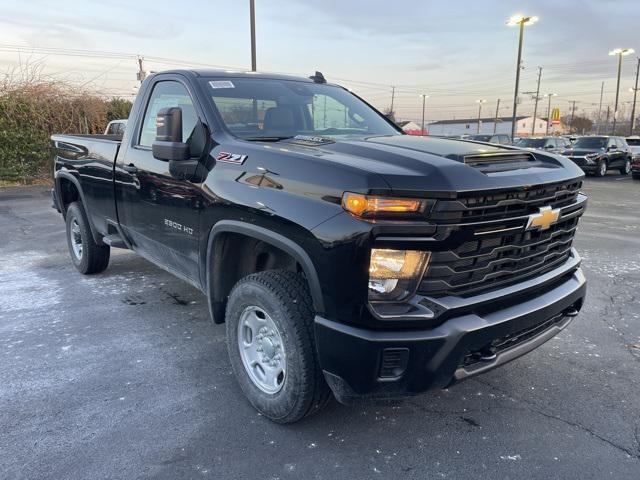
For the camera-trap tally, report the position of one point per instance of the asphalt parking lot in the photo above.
(122, 375)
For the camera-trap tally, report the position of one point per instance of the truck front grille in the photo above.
(501, 253)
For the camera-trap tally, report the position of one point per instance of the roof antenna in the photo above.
(318, 77)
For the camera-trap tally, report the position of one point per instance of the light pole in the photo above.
(635, 94)
(424, 100)
(520, 20)
(621, 52)
(480, 102)
(548, 97)
(252, 13)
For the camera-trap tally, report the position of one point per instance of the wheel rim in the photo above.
(76, 239)
(262, 350)
(627, 167)
(603, 169)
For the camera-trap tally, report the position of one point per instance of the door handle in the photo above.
(131, 168)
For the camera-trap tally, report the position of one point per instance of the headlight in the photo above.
(394, 274)
(376, 206)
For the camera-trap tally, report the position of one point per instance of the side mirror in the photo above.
(548, 146)
(168, 144)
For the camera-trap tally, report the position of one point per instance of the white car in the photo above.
(115, 127)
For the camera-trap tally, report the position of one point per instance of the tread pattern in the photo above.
(95, 257)
(292, 292)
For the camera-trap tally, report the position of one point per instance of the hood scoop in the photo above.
(502, 161)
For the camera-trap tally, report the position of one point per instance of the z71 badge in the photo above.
(231, 158)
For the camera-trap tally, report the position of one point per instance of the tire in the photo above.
(87, 256)
(278, 299)
(601, 169)
(624, 170)
(636, 176)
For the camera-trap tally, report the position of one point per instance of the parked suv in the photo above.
(596, 155)
(499, 138)
(549, 144)
(634, 146)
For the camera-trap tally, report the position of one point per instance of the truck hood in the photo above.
(429, 165)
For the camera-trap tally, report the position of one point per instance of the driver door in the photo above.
(158, 213)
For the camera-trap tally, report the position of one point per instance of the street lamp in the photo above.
(635, 94)
(621, 52)
(480, 102)
(424, 99)
(521, 21)
(548, 96)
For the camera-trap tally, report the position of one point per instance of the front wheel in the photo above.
(601, 169)
(87, 256)
(626, 168)
(271, 345)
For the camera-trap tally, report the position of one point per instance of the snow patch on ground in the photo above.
(22, 287)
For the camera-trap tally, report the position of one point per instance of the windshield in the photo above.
(481, 138)
(272, 109)
(590, 142)
(531, 143)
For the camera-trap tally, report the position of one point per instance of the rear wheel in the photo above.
(269, 322)
(601, 168)
(626, 168)
(87, 256)
(636, 176)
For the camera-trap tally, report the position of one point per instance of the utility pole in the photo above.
(635, 94)
(393, 95)
(608, 114)
(495, 121)
(549, 95)
(535, 108)
(518, 67)
(424, 99)
(141, 75)
(600, 109)
(520, 21)
(620, 52)
(573, 111)
(480, 102)
(252, 13)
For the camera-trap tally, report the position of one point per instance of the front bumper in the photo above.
(371, 363)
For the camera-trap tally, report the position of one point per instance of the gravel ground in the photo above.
(122, 375)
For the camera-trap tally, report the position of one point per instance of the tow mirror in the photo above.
(168, 144)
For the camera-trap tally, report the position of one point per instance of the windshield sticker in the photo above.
(221, 84)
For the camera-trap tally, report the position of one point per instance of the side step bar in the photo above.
(114, 240)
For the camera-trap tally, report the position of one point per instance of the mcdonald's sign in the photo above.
(555, 116)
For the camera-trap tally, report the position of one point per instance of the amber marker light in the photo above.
(369, 205)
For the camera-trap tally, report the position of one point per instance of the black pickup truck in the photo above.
(344, 256)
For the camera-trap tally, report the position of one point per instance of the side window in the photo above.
(612, 143)
(112, 129)
(167, 94)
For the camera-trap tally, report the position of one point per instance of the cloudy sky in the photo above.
(455, 51)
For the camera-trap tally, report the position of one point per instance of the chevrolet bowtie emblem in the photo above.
(544, 219)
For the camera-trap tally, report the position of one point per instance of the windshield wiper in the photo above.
(268, 139)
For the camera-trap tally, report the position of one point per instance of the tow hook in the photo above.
(571, 312)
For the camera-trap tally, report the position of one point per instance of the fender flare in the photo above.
(268, 236)
(60, 174)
